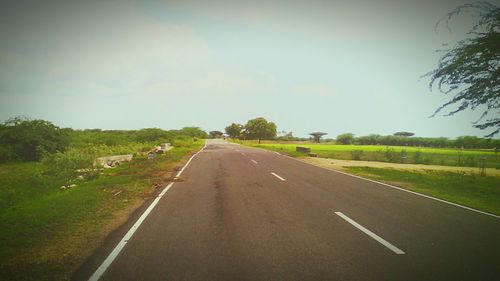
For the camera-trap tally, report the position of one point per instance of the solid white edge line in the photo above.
(255, 162)
(391, 186)
(274, 174)
(416, 193)
(379, 239)
(402, 189)
(189, 161)
(111, 257)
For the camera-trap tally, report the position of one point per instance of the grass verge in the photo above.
(472, 190)
(462, 187)
(46, 232)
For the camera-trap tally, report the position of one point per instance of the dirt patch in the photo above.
(335, 164)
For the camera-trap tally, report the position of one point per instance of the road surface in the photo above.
(240, 213)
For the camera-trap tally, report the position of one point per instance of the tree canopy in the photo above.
(194, 132)
(28, 140)
(234, 130)
(404, 134)
(317, 135)
(260, 128)
(151, 134)
(345, 138)
(215, 134)
(470, 70)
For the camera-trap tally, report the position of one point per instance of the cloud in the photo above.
(111, 49)
(111, 46)
(217, 85)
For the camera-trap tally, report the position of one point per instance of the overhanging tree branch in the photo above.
(471, 69)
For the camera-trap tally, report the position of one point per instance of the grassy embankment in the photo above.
(46, 231)
(465, 188)
(472, 190)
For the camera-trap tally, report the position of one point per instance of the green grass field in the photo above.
(394, 154)
(46, 232)
(482, 193)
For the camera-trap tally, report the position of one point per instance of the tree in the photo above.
(467, 142)
(317, 135)
(368, 140)
(284, 135)
(29, 140)
(259, 128)
(194, 132)
(345, 138)
(471, 69)
(215, 134)
(234, 130)
(144, 135)
(404, 134)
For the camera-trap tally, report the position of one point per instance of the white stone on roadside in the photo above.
(113, 160)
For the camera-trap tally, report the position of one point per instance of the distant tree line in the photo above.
(261, 129)
(23, 139)
(397, 139)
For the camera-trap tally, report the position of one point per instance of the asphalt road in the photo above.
(231, 218)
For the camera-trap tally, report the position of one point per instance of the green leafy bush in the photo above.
(390, 154)
(23, 139)
(356, 154)
(417, 158)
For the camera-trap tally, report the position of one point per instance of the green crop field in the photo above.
(394, 154)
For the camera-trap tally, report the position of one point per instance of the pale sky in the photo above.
(331, 66)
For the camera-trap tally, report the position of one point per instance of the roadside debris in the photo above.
(68, 186)
(162, 148)
(113, 161)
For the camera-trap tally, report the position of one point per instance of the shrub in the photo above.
(30, 140)
(459, 158)
(377, 154)
(5, 153)
(345, 138)
(66, 165)
(417, 157)
(390, 154)
(403, 155)
(470, 161)
(79, 160)
(356, 154)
